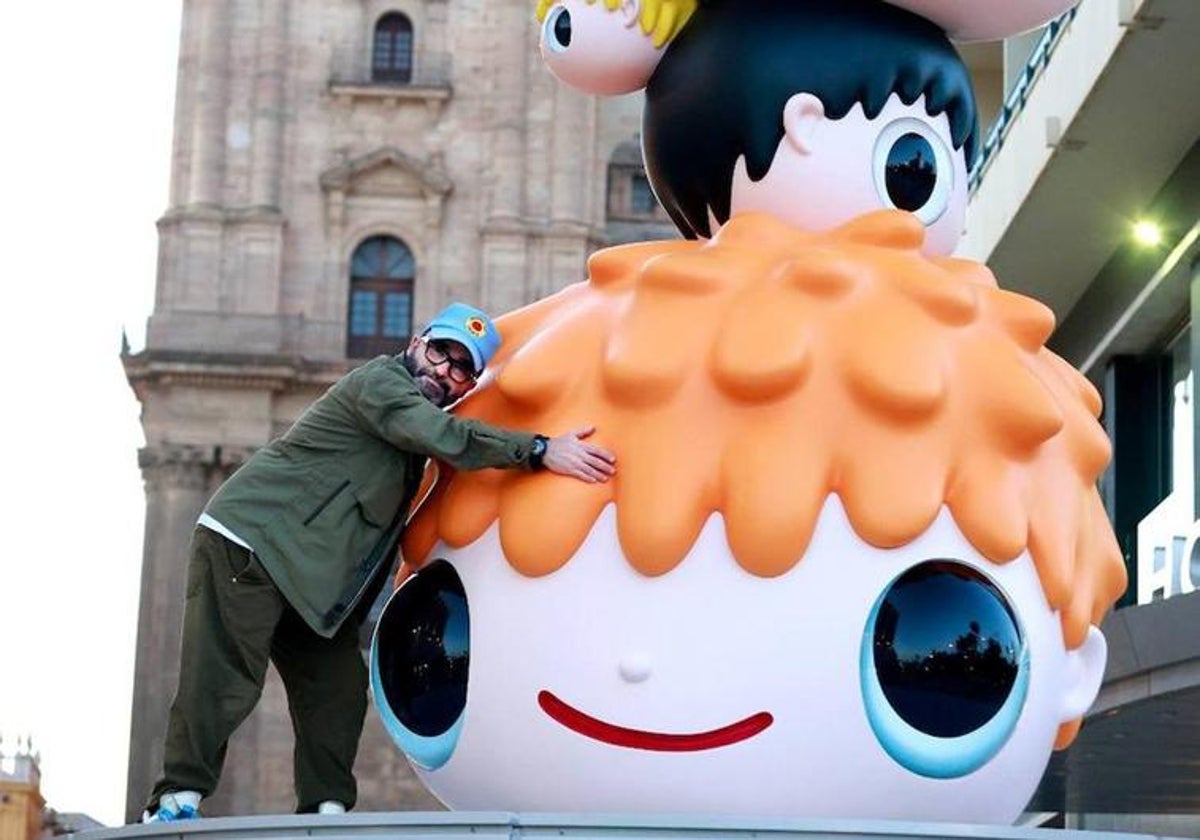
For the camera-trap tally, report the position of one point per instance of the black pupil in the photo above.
(562, 28)
(911, 172)
(947, 648)
(423, 650)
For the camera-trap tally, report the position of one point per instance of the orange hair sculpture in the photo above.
(756, 374)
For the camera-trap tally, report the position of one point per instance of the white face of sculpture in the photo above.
(709, 690)
(827, 172)
(595, 50)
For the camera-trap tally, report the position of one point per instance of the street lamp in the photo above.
(1147, 233)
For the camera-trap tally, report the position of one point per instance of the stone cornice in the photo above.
(152, 369)
(176, 465)
(189, 465)
(556, 229)
(222, 215)
(390, 95)
(429, 173)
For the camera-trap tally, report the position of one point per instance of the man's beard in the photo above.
(429, 386)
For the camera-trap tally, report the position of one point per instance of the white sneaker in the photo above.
(331, 806)
(175, 806)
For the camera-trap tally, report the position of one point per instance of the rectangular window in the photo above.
(643, 202)
(397, 315)
(363, 314)
(383, 50)
(403, 50)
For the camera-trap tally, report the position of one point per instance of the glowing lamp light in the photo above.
(1147, 233)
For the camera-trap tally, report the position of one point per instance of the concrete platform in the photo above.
(504, 826)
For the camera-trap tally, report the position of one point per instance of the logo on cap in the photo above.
(476, 326)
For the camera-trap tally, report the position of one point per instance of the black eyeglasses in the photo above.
(461, 370)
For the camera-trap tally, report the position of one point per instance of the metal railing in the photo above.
(1014, 102)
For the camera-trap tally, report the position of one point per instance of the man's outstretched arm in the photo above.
(393, 408)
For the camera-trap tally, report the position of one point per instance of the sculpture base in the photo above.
(422, 825)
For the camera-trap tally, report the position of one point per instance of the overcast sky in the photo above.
(85, 147)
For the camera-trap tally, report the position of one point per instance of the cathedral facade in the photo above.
(341, 170)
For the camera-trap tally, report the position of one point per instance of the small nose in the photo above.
(635, 668)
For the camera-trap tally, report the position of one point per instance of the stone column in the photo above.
(574, 152)
(210, 96)
(178, 482)
(507, 170)
(268, 104)
(181, 156)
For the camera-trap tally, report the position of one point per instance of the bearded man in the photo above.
(287, 554)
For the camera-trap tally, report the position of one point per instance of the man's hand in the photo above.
(569, 455)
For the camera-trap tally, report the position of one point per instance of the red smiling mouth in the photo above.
(637, 739)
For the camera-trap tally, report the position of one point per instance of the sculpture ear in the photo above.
(630, 10)
(1085, 672)
(987, 21)
(802, 115)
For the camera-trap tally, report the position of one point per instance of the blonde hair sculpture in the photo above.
(661, 20)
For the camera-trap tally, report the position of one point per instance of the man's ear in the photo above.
(1084, 673)
(802, 114)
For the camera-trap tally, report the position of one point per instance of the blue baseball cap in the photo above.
(471, 328)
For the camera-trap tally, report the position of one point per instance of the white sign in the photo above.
(1168, 562)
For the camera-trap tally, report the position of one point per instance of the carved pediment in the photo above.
(391, 172)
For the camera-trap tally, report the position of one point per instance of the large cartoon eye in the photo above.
(944, 669)
(914, 169)
(556, 30)
(419, 661)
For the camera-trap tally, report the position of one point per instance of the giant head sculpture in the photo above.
(852, 564)
(854, 560)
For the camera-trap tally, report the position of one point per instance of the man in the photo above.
(287, 552)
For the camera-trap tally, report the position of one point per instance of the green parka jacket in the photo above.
(323, 505)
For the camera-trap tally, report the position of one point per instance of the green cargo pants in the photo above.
(234, 621)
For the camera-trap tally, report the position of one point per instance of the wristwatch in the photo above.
(538, 451)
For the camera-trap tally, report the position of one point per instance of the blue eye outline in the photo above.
(549, 29)
(429, 752)
(930, 755)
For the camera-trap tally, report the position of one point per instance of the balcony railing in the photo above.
(431, 76)
(1014, 103)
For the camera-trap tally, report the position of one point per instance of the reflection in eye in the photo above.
(556, 31)
(419, 664)
(911, 172)
(944, 669)
(914, 170)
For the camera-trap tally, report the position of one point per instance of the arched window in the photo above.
(630, 198)
(392, 56)
(381, 297)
